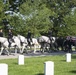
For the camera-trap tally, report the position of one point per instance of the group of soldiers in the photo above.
(10, 35)
(29, 36)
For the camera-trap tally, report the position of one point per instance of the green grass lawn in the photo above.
(35, 65)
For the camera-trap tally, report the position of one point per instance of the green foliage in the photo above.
(40, 22)
(70, 24)
(34, 16)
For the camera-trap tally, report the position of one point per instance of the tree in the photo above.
(39, 16)
(40, 21)
(62, 9)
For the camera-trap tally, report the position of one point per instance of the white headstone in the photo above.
(3, 69)
(21, 59)
(49, 68)
(68, 57)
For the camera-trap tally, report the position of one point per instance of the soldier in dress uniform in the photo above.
(1, 33)
(10, 35)
(29, 38)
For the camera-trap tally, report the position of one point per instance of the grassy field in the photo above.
(35, 65)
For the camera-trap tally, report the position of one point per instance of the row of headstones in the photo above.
(48, 67)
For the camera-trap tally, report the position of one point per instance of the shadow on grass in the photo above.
(74, 57)
(15, 63)
(73, 71)
(63, 60)
(40, 74)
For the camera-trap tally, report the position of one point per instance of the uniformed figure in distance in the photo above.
(29, 38)
(1, 35)
(50, 34)
(10, 35)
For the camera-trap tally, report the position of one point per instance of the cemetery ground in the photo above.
(35, 65)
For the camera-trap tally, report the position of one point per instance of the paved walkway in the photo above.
(37, 54)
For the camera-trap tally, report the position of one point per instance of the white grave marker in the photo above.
(3, 69)
(68, 57)
(21, 59)
(49, 68)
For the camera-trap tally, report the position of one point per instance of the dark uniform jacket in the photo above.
(1, 34)
(29, 35)
(29, 38)
(50, 33)
(10, 35)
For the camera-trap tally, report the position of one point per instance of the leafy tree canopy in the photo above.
(39, 16)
